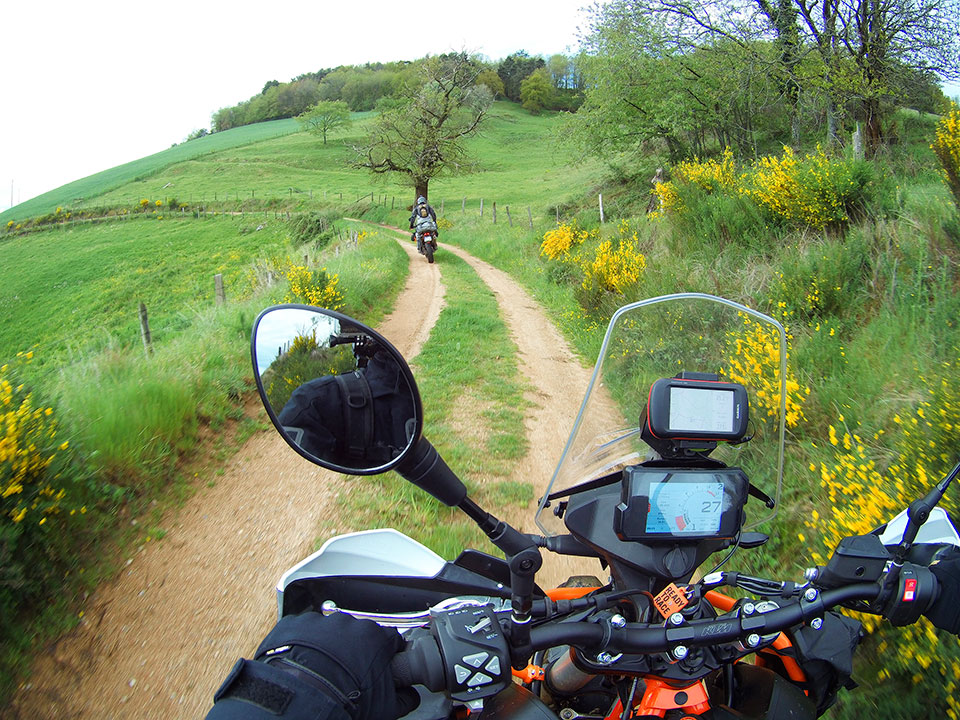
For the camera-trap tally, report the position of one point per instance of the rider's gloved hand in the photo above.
(945, 611)
(319, 667)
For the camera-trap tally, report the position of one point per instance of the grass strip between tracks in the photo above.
(473, 399)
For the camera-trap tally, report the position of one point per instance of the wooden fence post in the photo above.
(494, 212)
(441, 206)
(509, 219)
(463, 206)
(601, 208)
(481, 207)
(218, 288)
(145, 330)
(530, 217)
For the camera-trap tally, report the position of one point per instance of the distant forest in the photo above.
(541, 84)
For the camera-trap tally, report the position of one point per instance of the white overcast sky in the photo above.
(86, 86)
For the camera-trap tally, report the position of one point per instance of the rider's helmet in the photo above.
(421, 200)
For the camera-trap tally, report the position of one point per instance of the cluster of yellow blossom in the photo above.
(669, 199)
(753, 360)
(613, 266)
(947, 149)
(861, 495)
(27, 449)
(813, 191)
(615, 270)
(558, 242)
(709, 174)
(313, 287)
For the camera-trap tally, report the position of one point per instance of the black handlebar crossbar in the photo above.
(643, 638)
(421, 662)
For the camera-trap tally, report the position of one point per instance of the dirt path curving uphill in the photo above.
(158, 640)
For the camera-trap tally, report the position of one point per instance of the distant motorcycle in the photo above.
(425, 230)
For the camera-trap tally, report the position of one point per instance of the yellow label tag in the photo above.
(670, 600)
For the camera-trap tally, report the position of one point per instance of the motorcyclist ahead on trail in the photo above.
(423, 217)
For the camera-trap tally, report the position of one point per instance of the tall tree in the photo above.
(423, 135)
(643, 85)
(864, 45)
(536, 91)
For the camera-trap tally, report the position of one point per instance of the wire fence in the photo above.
(254, 203)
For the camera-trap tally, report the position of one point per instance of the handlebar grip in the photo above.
(420, 664)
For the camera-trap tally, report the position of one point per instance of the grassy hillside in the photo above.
(78, 289)
(273, 165)
(87, 191)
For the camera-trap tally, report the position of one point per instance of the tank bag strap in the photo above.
(357, 413)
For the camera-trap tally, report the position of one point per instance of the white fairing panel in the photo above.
(369, 552)
(937, 530)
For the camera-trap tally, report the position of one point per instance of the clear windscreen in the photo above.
(659, 338)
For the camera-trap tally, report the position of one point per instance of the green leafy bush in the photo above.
(313, 228)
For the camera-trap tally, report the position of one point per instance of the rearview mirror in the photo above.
(339, 393)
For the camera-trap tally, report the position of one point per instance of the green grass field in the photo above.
(88, 191)
(78, 289)
(521, 165)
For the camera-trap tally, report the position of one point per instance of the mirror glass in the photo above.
(337, 391)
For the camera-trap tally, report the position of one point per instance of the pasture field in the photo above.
(521, 164)
(72, 291)
(85, 192)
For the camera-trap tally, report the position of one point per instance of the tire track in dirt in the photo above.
(157, 640)
(558, 381)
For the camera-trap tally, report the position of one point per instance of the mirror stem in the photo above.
(524, 559)
(427, 470)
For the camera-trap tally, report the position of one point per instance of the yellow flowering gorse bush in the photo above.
(860, 494)
(615, 269)
(611, 266)
(946, 146)
(709, 174)
(313, 287)
(753, 360)
(813, 191)
(807, 192)
(558, 242)
(28, 446)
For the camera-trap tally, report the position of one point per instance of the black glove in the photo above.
(945, 611)
(318, 667)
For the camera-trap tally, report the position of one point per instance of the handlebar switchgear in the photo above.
(465, 654)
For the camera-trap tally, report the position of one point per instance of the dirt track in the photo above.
(158, 640)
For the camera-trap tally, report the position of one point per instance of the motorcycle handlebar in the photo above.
(643, 638)
(422, 663)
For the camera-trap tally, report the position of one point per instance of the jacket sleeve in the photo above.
(257, 691)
